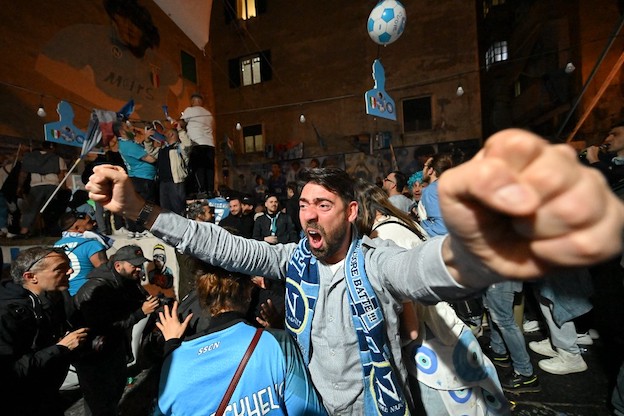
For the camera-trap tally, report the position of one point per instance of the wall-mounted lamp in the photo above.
(239, 127)
(569, 68)
(302, 119)
(460, 91)
(41, 111)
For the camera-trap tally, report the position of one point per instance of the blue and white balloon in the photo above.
(386, 22)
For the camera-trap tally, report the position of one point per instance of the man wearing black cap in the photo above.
(247, 204)
(199, 125)
(110, 303)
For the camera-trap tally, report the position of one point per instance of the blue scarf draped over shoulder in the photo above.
(382, 391)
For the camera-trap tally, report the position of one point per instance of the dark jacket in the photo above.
(110, 305)
(285, 229)
(244, 224)
(613, 172)
(32, 366)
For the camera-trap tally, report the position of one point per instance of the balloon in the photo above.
(386, 22)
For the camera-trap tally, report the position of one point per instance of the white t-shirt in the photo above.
(199, 125)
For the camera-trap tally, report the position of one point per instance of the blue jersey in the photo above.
(132, 154)
(275, 381)
(221, 208)
(434, 223)
(79, 250)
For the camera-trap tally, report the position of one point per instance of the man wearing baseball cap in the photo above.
(110, 303)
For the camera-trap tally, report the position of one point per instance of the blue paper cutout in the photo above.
(378, 102)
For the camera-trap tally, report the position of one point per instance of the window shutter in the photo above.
(234, 73)
(261, 6)
(229, 9)
(266, 73)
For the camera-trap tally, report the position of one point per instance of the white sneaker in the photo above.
(564, 363)
(593, 334)
(143, 234)
(530, 326)
(131, 234)
(543, 347)
(584, 339)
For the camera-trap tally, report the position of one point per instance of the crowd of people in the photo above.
(343, 297)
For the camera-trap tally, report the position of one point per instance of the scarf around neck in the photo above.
(382, 392)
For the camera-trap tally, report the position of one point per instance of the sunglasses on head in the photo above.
(58, 250)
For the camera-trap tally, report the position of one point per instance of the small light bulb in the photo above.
(41, 112)
(302, 118)
(569, 68)
(460, 91)
(239, 127)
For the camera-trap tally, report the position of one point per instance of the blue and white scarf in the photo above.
(382, 392)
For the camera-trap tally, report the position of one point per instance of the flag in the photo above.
(94, 135)
(126, 110)
(105, 119)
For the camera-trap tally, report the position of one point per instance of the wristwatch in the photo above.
(145, 213)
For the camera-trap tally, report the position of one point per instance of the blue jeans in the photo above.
(505, 332)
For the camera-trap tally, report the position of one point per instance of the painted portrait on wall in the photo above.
(111, 64)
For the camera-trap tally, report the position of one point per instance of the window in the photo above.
(417, 114)
(243, 9)
(253, 138)
(189, 68)
(246, 9)
(496, 53)
(250, 69)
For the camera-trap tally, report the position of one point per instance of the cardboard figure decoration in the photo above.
(378, 102)
(64, 131)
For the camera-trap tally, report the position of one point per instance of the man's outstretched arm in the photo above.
(522, 206)
(110, 186)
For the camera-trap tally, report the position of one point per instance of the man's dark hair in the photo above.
(235, 197)
(117, 128)
(292, 186)
(67, 220)
(141, 18)
(334, 180)
(46, 145)
(441, 162)
(400, 179)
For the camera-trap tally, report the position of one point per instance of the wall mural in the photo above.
(359, 164)
(111, 64)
